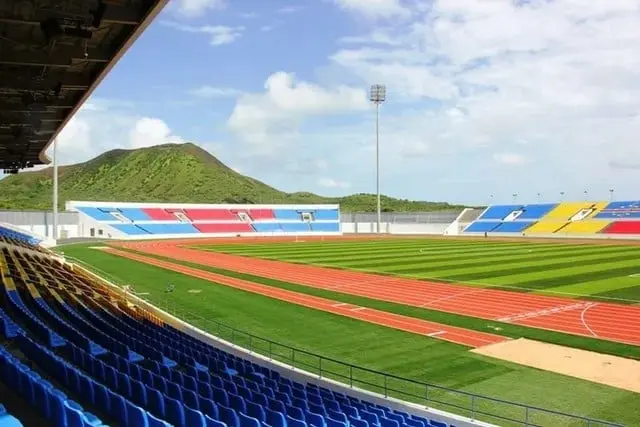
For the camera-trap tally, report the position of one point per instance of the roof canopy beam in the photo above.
(66, 81)
(61, 57)
(112, 15)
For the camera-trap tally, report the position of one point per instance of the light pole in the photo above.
(586, 195)
(54, 234)
(611, 194)
(378, 95)
(562, 196)
(539, 197)
(515, 197)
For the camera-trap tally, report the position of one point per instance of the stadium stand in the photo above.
(130, 220)
(81, 355)
(10, 235)
(567, 218)
(619, 210)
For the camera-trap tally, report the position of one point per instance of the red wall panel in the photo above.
(210, 214)
(238, 227)
(159, 214)
(623, 227)
(257, 214)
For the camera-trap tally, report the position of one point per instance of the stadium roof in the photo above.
(53, 53)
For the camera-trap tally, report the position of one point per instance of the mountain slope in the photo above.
(167, 173)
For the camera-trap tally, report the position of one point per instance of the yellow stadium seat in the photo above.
(558, 220)
(584, 227)
(545, 227)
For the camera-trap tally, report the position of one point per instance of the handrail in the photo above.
(471, 405)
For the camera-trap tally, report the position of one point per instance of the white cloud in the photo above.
(195, 8)
(270, 120)
(218, 34)
(332, 183)
(148, 132)
(206, 91)
(512, 159)
(374, 8)
(266, 28)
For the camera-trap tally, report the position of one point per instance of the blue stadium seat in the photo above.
(536, 211)
(620, 210)
(295, 227)
(325, 227)
(326, 214)
(97, 214)
(181, 228)
(512, 226)
(267, 227)
(130, 229)
(482, 226)
(499, 211)
(7, 420)
(134, 214)
(288, 214)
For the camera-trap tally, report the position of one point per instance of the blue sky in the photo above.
(484, 97)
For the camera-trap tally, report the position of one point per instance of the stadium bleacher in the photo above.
(157, 220)
(566, 218)
(80, 355)
(10, 235)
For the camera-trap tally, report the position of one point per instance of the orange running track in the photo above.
(608, 321)
(408, 324)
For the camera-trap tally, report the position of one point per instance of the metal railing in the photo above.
(471, 405)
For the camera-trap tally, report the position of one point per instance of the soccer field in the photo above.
(375, 347)
(603, 271)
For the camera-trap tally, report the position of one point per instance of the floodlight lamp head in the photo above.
(378, 94)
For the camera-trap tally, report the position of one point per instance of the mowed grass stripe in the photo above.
(359, 258)
(299, 250)
(491, 262)
(375, 347)
(557, 264)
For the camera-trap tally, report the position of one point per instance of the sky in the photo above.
(484, 97)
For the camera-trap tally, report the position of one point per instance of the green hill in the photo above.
(169, 173)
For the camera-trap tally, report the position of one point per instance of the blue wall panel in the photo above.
(290, 214)
(129, 229)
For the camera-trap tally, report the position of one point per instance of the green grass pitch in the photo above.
(368, 345)
(605, 272)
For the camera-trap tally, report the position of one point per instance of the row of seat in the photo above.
(16, 238)
(575, 218)
(189, 383)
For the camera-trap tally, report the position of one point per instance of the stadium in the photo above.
(305, 312)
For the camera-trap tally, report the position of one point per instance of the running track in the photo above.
(608, 321)
(408, 324)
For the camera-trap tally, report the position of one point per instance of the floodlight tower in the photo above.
(378, 95)
(54, 233)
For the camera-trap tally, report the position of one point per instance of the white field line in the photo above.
(584, 322)
(543, 312)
